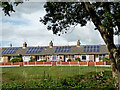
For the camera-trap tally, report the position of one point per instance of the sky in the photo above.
(24, 26)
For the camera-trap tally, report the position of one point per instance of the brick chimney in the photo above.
(78, 43)
(24, 45)
(51, 44)
(10, 44)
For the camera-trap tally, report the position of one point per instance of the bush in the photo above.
(69, 60)
(106, 59)
(62, 60)
(42, 61)
(77, 59)
(17, 59)
(32, 59)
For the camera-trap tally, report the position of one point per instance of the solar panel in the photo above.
(98, 46)
(9, 50)
(91, 49)
(34, 50)
(62, 49)
(94, 46)
(84, 50)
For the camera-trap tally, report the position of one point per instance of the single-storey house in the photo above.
(91, 53)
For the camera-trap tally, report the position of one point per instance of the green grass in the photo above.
(49, 76)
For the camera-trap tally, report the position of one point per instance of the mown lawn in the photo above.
(56, 77)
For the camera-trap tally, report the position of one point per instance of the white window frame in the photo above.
(83, 59)
(24, 58)
(1, 59)
(56, 56)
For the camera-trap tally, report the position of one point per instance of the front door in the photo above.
(54, 58)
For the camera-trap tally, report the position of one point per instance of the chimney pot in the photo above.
(51, 44)
(78, 43)
(10, 44)
(24, 45)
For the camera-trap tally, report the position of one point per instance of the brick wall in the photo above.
(48, 58)
(33, 56)
(5, 59)
(77, 56)
(91, 57)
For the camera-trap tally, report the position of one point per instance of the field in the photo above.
(56, 77)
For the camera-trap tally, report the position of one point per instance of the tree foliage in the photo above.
(105, 16)
(8, 7)
(61, 15)
(17, 59)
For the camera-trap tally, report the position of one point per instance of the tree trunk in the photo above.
(115, 71)
(107, 35)
(119, 74)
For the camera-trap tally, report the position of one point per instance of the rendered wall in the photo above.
(91, 58)
(5, 59)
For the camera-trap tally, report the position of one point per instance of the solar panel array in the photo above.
(91, 49)
(9, 50)
(62, 49)
(34, 50)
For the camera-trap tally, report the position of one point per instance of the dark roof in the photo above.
(46, 50)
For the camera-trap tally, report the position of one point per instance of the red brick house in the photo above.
(92, 53)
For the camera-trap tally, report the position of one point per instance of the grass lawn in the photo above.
(47, 76)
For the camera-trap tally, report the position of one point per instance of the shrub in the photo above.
(69, 60)
(77, 59)
(106, 59)
(42, 61)
(17, 59)
(32, 59)
(62, 60)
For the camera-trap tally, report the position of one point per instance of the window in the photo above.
(54, 58)
(60, 57)
(83, 57)
(72, 56)
(102, 55)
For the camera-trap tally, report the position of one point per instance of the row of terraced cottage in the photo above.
(91, 53)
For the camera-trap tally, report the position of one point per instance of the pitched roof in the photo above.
(51, 51)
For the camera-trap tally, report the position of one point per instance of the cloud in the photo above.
(24, 25)
(86, 34)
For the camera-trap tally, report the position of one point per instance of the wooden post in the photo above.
(104, 63)
(52, 63)
(56, 63)
(87, 63)
(94, 63)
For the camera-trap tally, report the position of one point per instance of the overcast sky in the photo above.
(24, 26)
